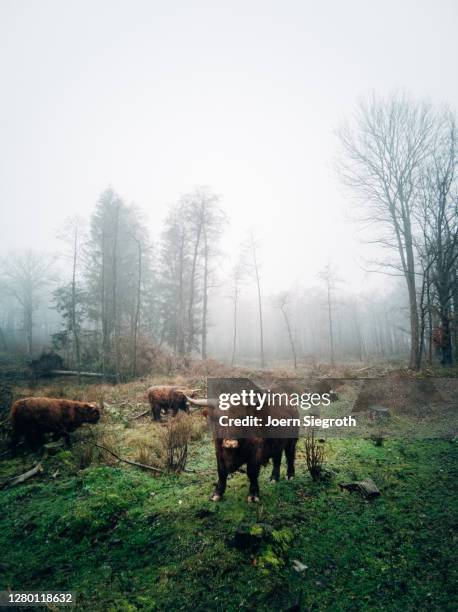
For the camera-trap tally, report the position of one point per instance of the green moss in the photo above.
(123, 539)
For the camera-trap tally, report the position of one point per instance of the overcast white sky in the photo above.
(155, 97)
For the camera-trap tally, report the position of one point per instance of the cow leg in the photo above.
(34, 440)
(253, 473)
(221, 484)
(15, 437)
(290, 452)
(276, 462)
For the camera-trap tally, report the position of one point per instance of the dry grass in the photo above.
(146, 442)
(142, 444)
(162, 445)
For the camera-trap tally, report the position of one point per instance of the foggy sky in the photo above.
(154, 98)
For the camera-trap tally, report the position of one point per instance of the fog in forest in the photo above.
(253, 183)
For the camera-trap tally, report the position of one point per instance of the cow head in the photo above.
(206, 405)
(90, 412)
(187, 393)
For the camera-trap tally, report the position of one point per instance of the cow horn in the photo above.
(201, 403)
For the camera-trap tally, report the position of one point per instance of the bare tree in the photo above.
(384, 153)
(136, 322)
(357, 330)
(252, 254)
(236, 281)
(180, 336)
(328, 276)
(282, 301)
(438, 217)
(68, 298)
(196, 205)
(205, 221)
(189, 245)
(26, 277)
(214, 223)
(206, 254)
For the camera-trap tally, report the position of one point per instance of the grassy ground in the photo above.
(123, 539)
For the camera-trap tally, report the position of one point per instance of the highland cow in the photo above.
(33, 417)
(167, 397)
(233, 451)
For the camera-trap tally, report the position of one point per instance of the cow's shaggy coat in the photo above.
(168, 397)
(32, 417)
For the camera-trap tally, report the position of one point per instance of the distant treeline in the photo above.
(121, 302)
(117, 301)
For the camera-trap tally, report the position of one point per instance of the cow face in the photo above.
(91, 412)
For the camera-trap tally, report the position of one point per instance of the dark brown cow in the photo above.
(33, 417)
(168, 397)
(255, 452)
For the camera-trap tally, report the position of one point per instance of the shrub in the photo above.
(314, 454)
(175, 436)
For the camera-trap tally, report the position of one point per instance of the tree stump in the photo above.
(367, 488)
(379, 413)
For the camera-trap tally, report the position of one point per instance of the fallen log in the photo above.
(76, 373)
(363, 369)
(140, 465)
(23, 477)
(137, 416)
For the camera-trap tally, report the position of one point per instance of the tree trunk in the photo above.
(331, 333)
(137, 310)
(234, 340)
(115, 292)
(73, 311)
(258, 284)
(455, 312)
(446, 341)
(103, 305)
(430, 323)
(409, 268)
(192, 286)
(180, 341)
(3, 340)
(290, 336)
(205, 300)
(28, 324)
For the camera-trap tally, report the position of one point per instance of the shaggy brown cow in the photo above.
(255, 452)
(167, 397)
(33, 417)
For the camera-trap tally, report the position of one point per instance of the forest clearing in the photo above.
(229, 306)
(124, 538)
